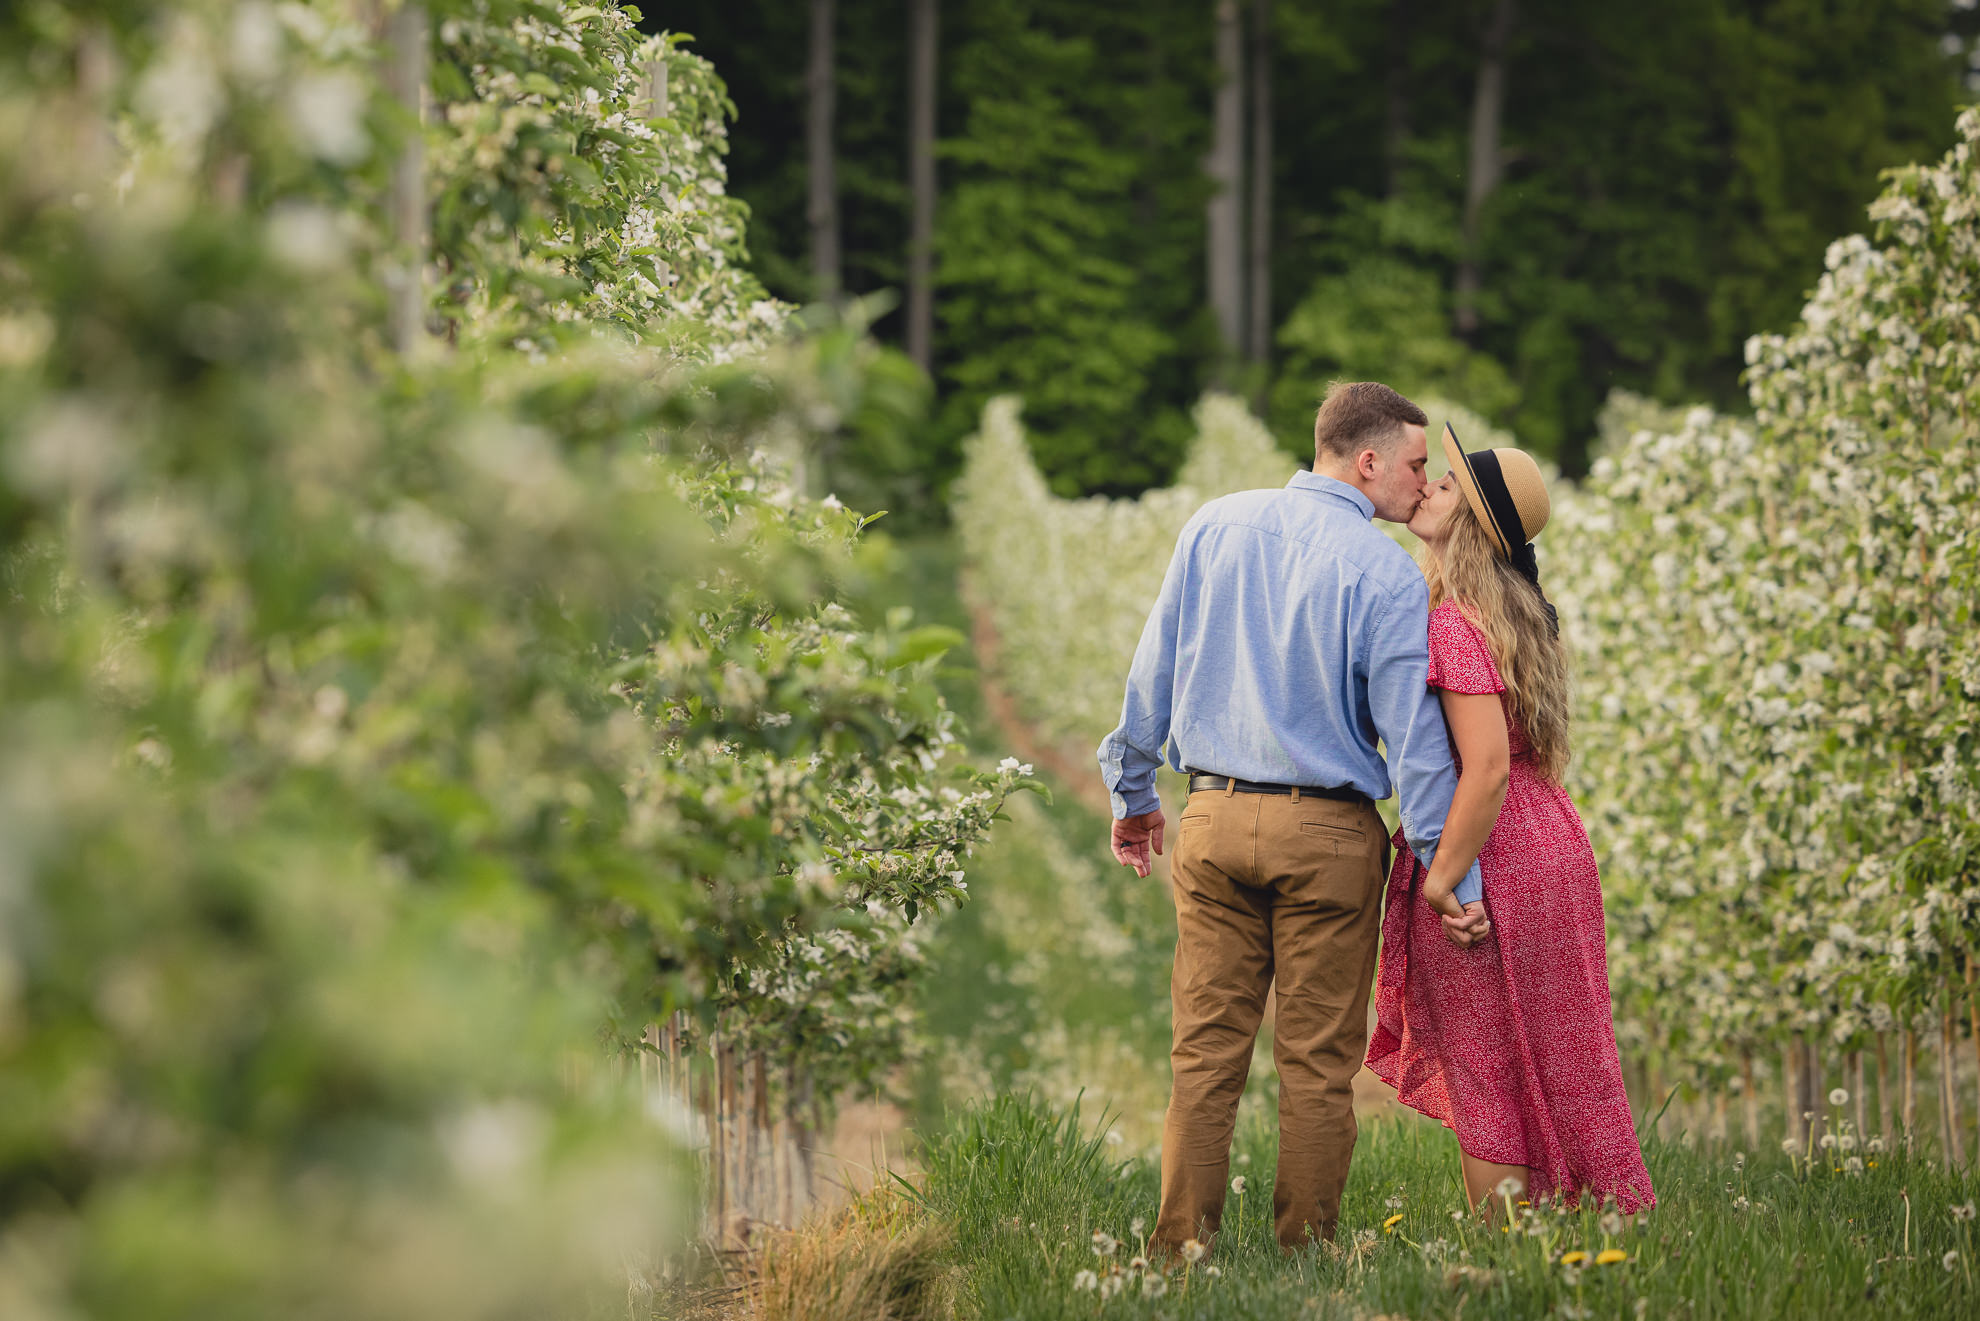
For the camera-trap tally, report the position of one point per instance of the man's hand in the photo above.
(1134, 836)
(1469, 929)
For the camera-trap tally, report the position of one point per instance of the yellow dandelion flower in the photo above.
(1389, 1225)
(1610, 1256)
(1574, 1258)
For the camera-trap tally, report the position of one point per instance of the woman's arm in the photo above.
(1478, 727)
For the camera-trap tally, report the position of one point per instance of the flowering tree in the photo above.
(381, 731)
(1780, 674)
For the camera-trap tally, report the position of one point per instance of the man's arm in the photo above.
(1131, 754)
(1411, 723)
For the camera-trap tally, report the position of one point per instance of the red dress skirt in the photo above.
(1511, 1042)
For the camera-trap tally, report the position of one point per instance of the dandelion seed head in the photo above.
(1086, 1282)
(1951, 1259)
(1840, 1096)
(1192, 1251)
(1237, 1185)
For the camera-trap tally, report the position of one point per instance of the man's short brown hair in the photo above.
(1360, 415)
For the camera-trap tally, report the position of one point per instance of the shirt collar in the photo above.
(1333, 486)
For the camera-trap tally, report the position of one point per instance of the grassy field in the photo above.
(1014, 1192)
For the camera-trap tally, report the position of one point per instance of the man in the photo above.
(1290, 634)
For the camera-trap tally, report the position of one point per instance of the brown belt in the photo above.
(1199, 781)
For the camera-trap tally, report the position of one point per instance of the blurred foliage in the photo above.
(1671, 175)
(384, 739)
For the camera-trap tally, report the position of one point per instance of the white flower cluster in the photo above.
(581, 178)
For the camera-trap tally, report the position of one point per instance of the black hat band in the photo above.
(1498, 500)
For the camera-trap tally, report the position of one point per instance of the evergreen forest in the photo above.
(1519, 204)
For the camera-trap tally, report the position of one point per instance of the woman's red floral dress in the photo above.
(1511, 1042)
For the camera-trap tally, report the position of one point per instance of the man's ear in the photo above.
(1364, 463)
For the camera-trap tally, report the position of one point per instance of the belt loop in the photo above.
(1295, 793)
(1230, 786)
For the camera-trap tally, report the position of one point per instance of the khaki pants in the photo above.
(1268, 887)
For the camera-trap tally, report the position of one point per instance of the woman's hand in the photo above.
(1439, 892)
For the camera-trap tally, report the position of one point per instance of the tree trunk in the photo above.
(1955, 1142)
(1225, 166)
(922, 19)
(1885, 1125)
(1973, 1025)
(405, 79)
(1482, 173)
(1910, 1104)
(822, 199)
(1793, 1075)
(1395, 128)
(1854, 1073)
(1751, 1096)
(1258, 302)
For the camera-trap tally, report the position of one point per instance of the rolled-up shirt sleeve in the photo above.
(1411, 722)
(1130, 756)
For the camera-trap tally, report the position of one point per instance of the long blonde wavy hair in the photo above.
(1511, 614)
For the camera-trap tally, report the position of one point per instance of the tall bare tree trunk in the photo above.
(1225, 166)
(1258, 302)
(821, 163)
(1485, 165)
(922, 19)
(1818, 1083)
(1395, 127)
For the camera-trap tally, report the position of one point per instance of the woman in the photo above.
(1508, 1041)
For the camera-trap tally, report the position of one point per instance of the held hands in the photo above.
(1134, 836)
(1470, 928)
(1464, 924)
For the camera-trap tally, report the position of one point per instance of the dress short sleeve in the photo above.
(1460, 662)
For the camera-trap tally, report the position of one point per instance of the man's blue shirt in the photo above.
(1290, 635)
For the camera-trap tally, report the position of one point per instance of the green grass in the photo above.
(1020, 1189)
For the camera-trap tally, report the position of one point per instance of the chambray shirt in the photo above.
(1289, 636)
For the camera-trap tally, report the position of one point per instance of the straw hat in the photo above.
(1505, 490)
